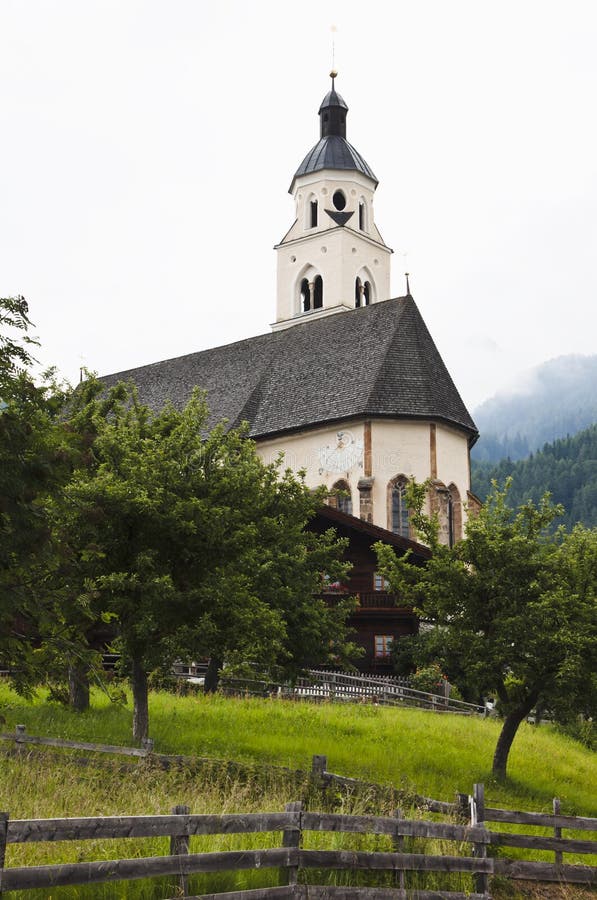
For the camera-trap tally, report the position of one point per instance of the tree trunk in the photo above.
(78, 687)
(507, 735)
(212, 676)
(140, 702)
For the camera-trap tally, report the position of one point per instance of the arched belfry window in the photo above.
(358, 291)
(318, 292)
(398, 512)
(313, 214)
(362, 215)
(305, 295)
(343, 497)
(364, 288)
(308, 290)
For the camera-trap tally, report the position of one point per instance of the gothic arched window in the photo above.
(313, 214)
(318, 292)
(454, 515)
(343, 497)
(366, 294)
(398, 512)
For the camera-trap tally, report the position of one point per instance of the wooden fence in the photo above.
(341, 687)
(293, 823)
(292, 860)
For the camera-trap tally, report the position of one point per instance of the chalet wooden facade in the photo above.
(381, 618)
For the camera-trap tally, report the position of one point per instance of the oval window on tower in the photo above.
(339, 200)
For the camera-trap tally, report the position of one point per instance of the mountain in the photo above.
(558, 398)
(567, 468)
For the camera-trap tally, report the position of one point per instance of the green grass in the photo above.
(431, 754)
(437, 754)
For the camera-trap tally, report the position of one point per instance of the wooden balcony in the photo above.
(367, 599)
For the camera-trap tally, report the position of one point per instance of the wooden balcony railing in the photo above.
(367, 599)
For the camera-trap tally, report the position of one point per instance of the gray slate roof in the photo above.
(376, 361)
(334, 152)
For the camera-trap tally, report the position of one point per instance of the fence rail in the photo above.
(293, 824)
(341, 687)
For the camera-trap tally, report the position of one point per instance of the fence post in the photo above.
(319, 766)
(147, 745)
(557, 831)
(3, 832)
(291, 837)
(179, 846)
(480, 879)
(19, 735)
(398, 843)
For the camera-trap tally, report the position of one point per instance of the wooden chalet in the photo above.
(381, 617)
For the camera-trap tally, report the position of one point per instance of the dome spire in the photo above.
(332, 112)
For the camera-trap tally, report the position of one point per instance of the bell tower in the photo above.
(333, 258)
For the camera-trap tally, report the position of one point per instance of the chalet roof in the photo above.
(346, 526)
(375, 361)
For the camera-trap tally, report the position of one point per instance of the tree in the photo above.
(33, 460)
(189, 543)
(512, 605)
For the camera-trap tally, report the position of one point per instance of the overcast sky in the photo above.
(147, 149)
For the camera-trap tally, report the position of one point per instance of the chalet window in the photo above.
(379, 582)
(400, 517)
(383, 646)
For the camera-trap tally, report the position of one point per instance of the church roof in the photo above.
(334, 152)
(375, 361)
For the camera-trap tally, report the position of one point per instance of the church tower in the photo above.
(333, 258)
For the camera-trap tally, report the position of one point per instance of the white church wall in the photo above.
(327, 455)
(397, 447)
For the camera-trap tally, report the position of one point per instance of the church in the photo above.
(348, 385)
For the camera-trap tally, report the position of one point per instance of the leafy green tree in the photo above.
(33, 461)
(513, 606)
(190, 544)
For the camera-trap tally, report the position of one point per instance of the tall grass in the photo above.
(431, 754)
(435, 754)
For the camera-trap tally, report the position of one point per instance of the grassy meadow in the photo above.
(417, 751)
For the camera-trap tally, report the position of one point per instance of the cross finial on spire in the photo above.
(407, 285)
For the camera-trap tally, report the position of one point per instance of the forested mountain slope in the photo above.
(559, 399)
(567, 468)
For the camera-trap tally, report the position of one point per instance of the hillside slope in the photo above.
(559, 399)
(567, 468)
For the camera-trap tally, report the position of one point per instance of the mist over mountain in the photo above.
(556, 399)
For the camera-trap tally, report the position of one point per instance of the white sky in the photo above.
(147, 147)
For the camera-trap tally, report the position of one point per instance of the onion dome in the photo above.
(333, 151)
